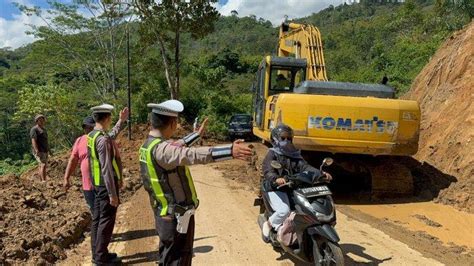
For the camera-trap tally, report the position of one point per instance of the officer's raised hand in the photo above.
(124, 114)
(202, 128)
(241, 151)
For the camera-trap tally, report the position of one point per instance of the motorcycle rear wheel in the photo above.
(331, 254)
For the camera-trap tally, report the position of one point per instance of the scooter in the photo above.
(314, 221)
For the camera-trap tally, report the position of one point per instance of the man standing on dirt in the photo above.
(39, 143)
(79, 155)
(169, 183)
(105, 173)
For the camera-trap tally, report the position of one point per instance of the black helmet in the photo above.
(279, 130)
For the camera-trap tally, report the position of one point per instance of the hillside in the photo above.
(362, 43)
(445, 91)
(367, 41)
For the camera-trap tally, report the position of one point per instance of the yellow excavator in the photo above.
(364, 126)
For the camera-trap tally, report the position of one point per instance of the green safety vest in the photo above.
(155, 180)
(94, 163)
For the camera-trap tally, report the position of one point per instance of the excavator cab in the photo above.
(276, 75)
(283, 79)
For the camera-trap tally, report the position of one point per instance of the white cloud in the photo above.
(12, 32)
(276, 10)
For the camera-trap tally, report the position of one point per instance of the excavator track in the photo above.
(379, 177)
(390, 178)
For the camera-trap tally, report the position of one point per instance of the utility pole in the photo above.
(129, 121)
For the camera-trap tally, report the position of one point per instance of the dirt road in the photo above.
(227, 233)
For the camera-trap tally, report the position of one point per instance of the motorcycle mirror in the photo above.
(328, 161)
(276, 165)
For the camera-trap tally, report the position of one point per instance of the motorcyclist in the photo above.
(292, 162)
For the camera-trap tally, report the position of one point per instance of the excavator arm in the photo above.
(303, 41)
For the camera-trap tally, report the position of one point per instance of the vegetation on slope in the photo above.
(363, 42)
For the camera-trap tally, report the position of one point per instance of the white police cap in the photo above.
(168, 108)
(103, 108)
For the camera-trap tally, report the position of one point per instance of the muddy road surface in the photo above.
(227, 232)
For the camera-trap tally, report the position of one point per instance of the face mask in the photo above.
(283, 143)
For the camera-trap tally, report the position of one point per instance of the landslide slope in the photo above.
(444, 89)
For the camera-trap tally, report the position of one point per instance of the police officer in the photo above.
(169, 183)
(105, 173)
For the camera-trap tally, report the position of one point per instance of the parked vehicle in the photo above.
(240, 126)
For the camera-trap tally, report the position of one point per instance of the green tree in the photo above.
(91, 40)
(59, 107)
(163, 23)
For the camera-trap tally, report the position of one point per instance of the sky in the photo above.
(13, 23)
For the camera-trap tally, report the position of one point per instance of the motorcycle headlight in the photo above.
(321, 217)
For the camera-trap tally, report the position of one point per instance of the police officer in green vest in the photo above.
(105, 172)
(166, 177)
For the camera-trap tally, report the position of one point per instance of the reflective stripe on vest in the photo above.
(161, 192)
(95, 168)
(146, 157)
(191, 186)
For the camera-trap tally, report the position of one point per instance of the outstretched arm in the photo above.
(169, 156)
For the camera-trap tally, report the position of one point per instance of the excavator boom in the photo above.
(303, 41)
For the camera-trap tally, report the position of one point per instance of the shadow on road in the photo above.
(203, 249)
(359, 252)
(296, 261)
(142, 257)
(152, 256)
(346, 249)
(133, 234)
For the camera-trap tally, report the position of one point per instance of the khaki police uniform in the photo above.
(105, 173)
(167, 179)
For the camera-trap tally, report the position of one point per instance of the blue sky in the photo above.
(8, 8)
(13, 24)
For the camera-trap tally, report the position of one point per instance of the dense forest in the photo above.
(362, 43)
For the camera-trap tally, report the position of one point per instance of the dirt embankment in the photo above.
(39, 221)
(445, 91)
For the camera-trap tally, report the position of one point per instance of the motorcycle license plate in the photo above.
(316, 191)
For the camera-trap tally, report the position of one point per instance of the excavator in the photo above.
(364, 126)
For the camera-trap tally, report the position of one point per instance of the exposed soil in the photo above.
(427, 220)
(39, 221)
(427, 244)
(445, 91)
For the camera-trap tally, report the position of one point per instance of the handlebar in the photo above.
(286, 184)
(289, 179)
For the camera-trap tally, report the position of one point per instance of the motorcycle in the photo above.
(314, 220)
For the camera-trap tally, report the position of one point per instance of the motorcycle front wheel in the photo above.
(330, 254)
